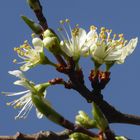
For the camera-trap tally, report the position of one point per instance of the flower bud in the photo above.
(52, 44)
(81, 136)
(83, 119)
(48, 33)
(34, 4)
(99, 117)
(36, 28)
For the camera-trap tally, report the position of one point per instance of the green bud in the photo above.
(120, 138)
(36, 28)
(34, 4)
(84, 120)
(46, 109)
(99, 117)
(81, 136)
(52, 44)
(48, 33)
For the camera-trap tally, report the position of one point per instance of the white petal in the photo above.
(92, 36)
(17, 73)
(66, 48)
(38, 44)
(99, 52)
(127, 50)
(114, 55)
(81, 37)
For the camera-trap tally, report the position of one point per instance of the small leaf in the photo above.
(99, 117)
(36, 28)
(84, 120)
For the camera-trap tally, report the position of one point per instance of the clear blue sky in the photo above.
(123, 91)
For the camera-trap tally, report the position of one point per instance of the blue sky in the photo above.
(123, 89)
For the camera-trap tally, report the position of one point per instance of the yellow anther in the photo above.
(103, 36)
(14, 61)
(62, 21)
(33, 35)
(26, 42)
(120, 35)
(18, 51)
(22, 46)
(75, 31)
(15, 49)
(92, 27)
(114, 36)
(18, 105)
(27, 47)
(60, 29)
(67, 20)
(110, 31)
(103, 29)
(107, 30)
(22, 53)
(77, 25)
(8, 104)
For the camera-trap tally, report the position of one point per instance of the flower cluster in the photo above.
(102, 47)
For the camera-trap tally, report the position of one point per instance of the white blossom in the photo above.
(111, 50)
(78, 43)
(31, 56)
(25, 101)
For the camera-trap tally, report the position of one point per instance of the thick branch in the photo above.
(48, 135)
(42, 20)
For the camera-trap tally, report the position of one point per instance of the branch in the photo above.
(39, 14)
(49, 135)
(111, 113)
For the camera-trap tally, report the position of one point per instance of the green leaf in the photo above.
(36, 28)
(99, 117)
(84, 120)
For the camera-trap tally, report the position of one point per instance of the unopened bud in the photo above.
(48, 33)
(81, 136)
(52, 44)
(36, 28)
(99, 117)
(83, 119)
